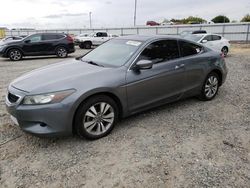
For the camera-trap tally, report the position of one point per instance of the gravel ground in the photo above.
(185, 144)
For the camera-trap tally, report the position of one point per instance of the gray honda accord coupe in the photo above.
(123, 76)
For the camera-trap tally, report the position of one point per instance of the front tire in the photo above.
(15, 55)
(87, 45)
(96, 117)
(61, 52)
(210, 87)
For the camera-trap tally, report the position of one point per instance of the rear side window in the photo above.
(160, 51)
(60, 36)
(49, 37)
(208, 38)
(216, 37)
(100, 34)
(104, 34)
(188, 49)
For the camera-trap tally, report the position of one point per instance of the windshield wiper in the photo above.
(92, 63)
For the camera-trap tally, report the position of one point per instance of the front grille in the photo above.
(12, 98)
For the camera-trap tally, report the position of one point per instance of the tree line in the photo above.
(217, 19)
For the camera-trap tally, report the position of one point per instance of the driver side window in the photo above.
(160, 51)
(35, 38)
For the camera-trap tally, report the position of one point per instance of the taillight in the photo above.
(70, 39)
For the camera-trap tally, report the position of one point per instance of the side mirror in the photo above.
(204, 41)
(144, 64)
(27, 41)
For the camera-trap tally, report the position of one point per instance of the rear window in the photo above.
(216, 37)
(188, 49)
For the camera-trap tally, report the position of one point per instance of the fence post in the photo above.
(223, 30)
(248, 28)
(156, 30)
(121, 31)
(177, 30)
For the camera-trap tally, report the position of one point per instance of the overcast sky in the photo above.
(111, 13)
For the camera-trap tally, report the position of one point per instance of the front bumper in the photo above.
(41, 120)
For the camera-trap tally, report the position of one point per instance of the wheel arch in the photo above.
(13, 47)
(61, 45)
(106, 93)
(226, 48)
(219, 73)
(86, 41)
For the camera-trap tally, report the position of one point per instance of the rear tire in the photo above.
(96, 117)
(210, 87)
(61, 52)
(224, 51)
(15, 55)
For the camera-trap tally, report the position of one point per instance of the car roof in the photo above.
(145, 38)
(203, 34)
(50, 33)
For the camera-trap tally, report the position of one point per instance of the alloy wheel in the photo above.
(62, 52)
(15, 55)
(211, 86)
(98, 118)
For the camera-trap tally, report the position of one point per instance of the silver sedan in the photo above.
(123, 76)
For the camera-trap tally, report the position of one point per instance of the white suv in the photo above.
(213, 41)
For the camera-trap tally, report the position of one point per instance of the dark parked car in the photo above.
(119, 78)
(37, 45)
(152, 23)
(189, 32)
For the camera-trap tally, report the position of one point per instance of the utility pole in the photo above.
(90, 21)
(135, 13)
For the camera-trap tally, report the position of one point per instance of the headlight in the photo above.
(47, 98)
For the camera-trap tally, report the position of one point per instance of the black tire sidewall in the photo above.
(87, 45)
(222, 50)
(81, 46)
(15, 50)
(203, 94)
(82, 110)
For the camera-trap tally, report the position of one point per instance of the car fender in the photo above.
(6, 51)
(103, 90)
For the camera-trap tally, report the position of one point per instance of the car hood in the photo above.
(59, 76)
(10, 42)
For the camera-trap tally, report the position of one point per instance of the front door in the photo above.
(162, 83)
(33, 45)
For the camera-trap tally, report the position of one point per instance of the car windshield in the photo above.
(113, 53)
(194, 38)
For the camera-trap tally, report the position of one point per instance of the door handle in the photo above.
(179, 66)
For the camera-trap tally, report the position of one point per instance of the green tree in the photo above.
(193, 20)
(221, 19)
(189, 20)
(246, 18)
